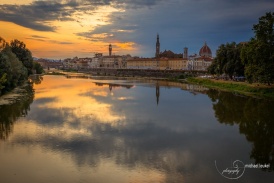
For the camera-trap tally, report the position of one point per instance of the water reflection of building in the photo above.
(194, 89)
(184, 86)
(157, 92)
(111, 86)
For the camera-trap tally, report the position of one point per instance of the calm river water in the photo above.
(72, 130)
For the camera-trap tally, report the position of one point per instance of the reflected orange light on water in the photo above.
(78, 98)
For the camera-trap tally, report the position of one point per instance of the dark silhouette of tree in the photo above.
(258, 54)
(228, 60)
(12, 71)
(38, 68)
(23, 54)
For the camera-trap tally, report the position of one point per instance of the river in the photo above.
(77, 130)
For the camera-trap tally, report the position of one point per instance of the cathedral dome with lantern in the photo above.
(205, 51)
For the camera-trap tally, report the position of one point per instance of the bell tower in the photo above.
(110, 49)
(157, 54)
(186, 52)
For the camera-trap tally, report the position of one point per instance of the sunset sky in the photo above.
(69, 28)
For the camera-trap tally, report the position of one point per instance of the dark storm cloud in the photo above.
(37, 14)
(111, 32)
(186, 23)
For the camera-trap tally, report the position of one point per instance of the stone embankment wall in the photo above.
(140, 73)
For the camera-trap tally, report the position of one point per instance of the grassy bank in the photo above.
(259, 90)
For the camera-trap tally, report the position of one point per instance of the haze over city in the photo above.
(68, 28)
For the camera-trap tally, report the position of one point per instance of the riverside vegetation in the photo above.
(253, 59)
(258, 90)
(16, 64)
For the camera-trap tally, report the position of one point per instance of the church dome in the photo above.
(205, 51)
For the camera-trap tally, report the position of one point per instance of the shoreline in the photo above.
(254, 90)
(117, 77)
(13, 95)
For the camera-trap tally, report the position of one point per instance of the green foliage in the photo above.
(243, 88)
(3, 43)
(213, 68)
(15, 72)
(2, 81)
(23, 54)
(38, 68)
(228, 61)
(12, 71)
(258, 54)
(254, 59)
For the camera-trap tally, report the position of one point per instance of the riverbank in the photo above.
(15, 94)
(171, 74)
(258, 90)
(180, 78)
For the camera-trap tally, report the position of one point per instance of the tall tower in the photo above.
(109, 49)
(186, 52)
(157, 54)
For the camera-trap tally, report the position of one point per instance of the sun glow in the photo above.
(72, 34)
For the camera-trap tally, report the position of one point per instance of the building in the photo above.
(170, 54)
(166, 60)
(110, 49)
(202, 61)
(78, 63)
(112, 61)
(142, 63)
(177, 63)
(50, 64)
(205, 51)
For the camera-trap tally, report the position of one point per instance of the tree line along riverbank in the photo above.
(16, 65)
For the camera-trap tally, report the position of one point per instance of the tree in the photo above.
(213, 68)
(228, 60)
(3, 43)
(12, 71)
(38, 68)
(2, 81)
(258, 54)
(23, 54)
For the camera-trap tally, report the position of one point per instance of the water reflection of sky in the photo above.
(77, 130)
